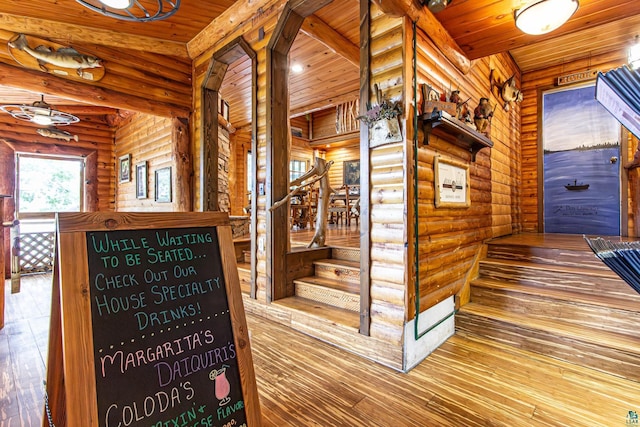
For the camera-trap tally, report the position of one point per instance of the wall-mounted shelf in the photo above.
(453, 130)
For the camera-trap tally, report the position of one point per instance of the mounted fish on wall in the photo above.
(507, 89)
(66, 62)
(55, 133)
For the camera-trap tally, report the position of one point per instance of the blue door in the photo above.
(581, 164)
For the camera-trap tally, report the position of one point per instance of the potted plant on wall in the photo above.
(382, 120)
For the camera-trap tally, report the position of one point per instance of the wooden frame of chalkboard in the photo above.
(148, 324)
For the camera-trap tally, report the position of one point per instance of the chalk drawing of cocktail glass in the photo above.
(222, 385)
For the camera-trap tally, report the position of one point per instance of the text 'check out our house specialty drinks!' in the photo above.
(162, 332)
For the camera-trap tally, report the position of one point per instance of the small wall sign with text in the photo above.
(582, 76)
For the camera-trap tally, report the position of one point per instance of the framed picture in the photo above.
(163, 185)
(124, 168)
(452, 184)
(351, 172)
(141, 180)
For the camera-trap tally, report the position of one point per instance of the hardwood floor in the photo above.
(337, 235)
(305, 382)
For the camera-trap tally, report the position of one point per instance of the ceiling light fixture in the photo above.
(297, 68)
(634, 54)
(134, 10)
(543, 16)
(436, 6)
(39, 113)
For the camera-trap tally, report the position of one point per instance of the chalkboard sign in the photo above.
(166, 336)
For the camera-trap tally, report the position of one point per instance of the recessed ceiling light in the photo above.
(297, 68)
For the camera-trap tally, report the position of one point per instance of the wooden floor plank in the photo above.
(468, 381)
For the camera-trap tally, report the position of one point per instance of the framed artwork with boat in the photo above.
(580, 149)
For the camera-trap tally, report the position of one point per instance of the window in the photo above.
(297, 168)
(48, 184)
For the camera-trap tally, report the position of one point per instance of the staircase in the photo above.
(551, 295)
(333, 293)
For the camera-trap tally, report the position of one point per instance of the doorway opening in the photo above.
(44, 185)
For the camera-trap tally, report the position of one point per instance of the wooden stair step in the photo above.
(578, 279)
(571, 242)
(601, 300)
(336, 293)
(608, 352)
(345, 253)
(590, 311)
(572, 256)
(338, 269)
(321, 312)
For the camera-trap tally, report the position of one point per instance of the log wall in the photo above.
(301, 150)
(388, 270)
(148, 139)
(324, 123)
(450, 238)
(134, 80)
(339, 155)
(95, 144)
(240, 147)
(533, 83)
(303, 124)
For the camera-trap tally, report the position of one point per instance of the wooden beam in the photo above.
(70, 33)
(241, 13)
(432, 27)
(317, 29)
(38, 82)
(323, 105)
(7, 178)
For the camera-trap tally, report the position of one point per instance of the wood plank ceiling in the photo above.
(326, 47)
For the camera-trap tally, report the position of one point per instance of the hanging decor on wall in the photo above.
(55, 133)
(507, 90)
(383, 120)
(63, 61)
(133, 10)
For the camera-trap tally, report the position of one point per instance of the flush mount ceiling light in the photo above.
(436, 6)
(133, 10)
(40, 113)
(543, 16)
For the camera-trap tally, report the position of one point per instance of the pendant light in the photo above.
(133, 10)
(543, 16)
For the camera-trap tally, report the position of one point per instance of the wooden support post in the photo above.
(15, 257)
(182, 156)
